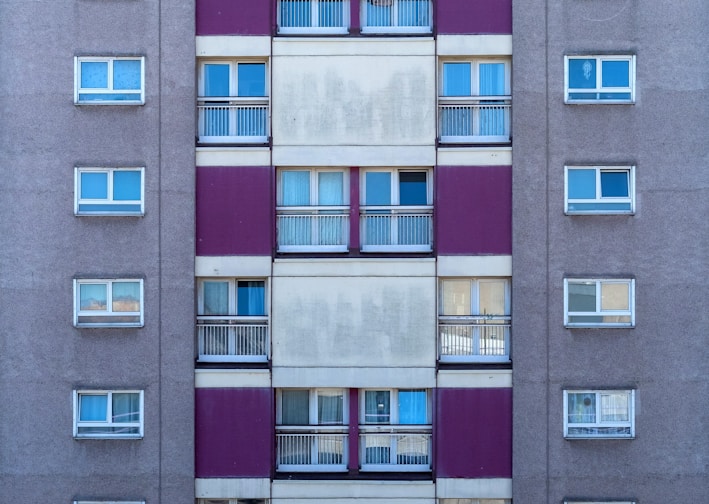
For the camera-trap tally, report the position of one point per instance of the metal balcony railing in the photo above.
(474, 339)
(396, 16)
(233, 119)
(313, 229)
(232, 339)
(402, 448)
(479, 119)
(305, 449)
(396, 229)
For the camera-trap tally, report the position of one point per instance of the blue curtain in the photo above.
(92, 408)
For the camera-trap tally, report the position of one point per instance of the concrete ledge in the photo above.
(374, 491)
(232, 378)
(232, 46)
(475, 266)
(475, 378)
(420, 377)
(474, 45)
(232, 488)
(488, 488)
(232, 266)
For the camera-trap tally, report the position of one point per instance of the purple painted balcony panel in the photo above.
(474, 210)
(233, 17)
(474, 433)
(233, 432)
(234, 211)
(474, 17)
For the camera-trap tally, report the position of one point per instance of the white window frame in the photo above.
(233, 284)
(314, 27)
(599, 199)
(107, 423)
(599, 312)
(313, 405)
(600, 424)
(108, 316)
(421, 30)
(109, 89)
(630, 58)
(109, 201)
(393, 407)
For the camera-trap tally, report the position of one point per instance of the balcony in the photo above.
(305, 449)
(232, 339)
(474, 120)
(398, 448)
(235, 120)
(313, 229)
(396, 229)
(474, 339)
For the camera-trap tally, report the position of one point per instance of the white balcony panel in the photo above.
(475, 266)
(321, 451)
(420, 154)
(231, 339)
(232, 378)
(353, 491)
(474, 45)
(230, 46)
(482, 119)
(474, 339)
(396, 229)
(233, 266)
(355, 376)
(233, 156)
(474, 378)
(478, 488)
(403, 448)
(235, 488)
(313, 229)
(232, 120)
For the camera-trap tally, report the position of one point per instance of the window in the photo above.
(599, 414)
(397, 16)
(313, 210)
(474, 320)
(232, 321)
(599, 79)
(233, 102)
(108, 303)
(108, 191)
(475, 101)
(599, 302)
(396, 210)
(313, 16)
(311, 407)
(600, 190)
(109, 81)
(108, 414)
(401, 407)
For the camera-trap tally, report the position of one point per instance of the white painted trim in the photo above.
(399, 267)
(474, 45)
(385, 46)
(475, 378)
(232, 266)
(355, 377)
(475, 266)
(232, 488)
(475, 156)
(232, 378)
(483, 488)
(233, 156)
(232, 45)
(359, 155)
(348, 490)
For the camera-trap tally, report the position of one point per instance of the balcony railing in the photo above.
(232, 339)
(396, 16)
(233, 119)
(474, 120)
(313, 16)
(313, 229)
(396, 229)
(403, 448)
(322, 451)
(474, 339)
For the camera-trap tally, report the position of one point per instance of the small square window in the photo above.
(590, 414)
(108, 303)
(109, 191)
(599, 302)
(103, 414)
(599, 190)
(109, 80)
(599, 79)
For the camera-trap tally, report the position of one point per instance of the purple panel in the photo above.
(234, 211)
(474, 210)
(474, 16)
(354, 209)
(234, 432)
(474, 433)
(233, 17)
(353, 432)
(354, 17)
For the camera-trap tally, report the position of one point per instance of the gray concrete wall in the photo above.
(665, 246)
(43, 135)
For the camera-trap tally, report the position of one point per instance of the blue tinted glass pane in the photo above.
(126, 74)
(615, 73)
(252, 79)
(126, 185)
(109, 97)
(92, 408)
(330, 188)
(582, 297)
(492, 79)
(614, 96)
(126, 297)
(250, 298)
(412, 407)
(582, 73)
(295, 13)
(295, 188)
(583, 96)
(413, 13)
(599, 207)
(109, 208)
(93, 297)
(614, 184)
(456, 79)
(378, 13)
(330, 13)
(94, 185)
(582, 184)
(94, 75)
(216, 80)
(378, 188)
(412, 188)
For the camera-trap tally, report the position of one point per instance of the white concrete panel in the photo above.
(475, 156)
(475, 266)
(487, 488)
(233, 46)
(354, 321)
(475, 378)
(387, 46)
(399, 267)
(356, 500)
(232, 488)
(348, 490)
(232, 378)
(354, 377)
(355, 155)
(233, 156)
(232, 266)
(474, 45)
